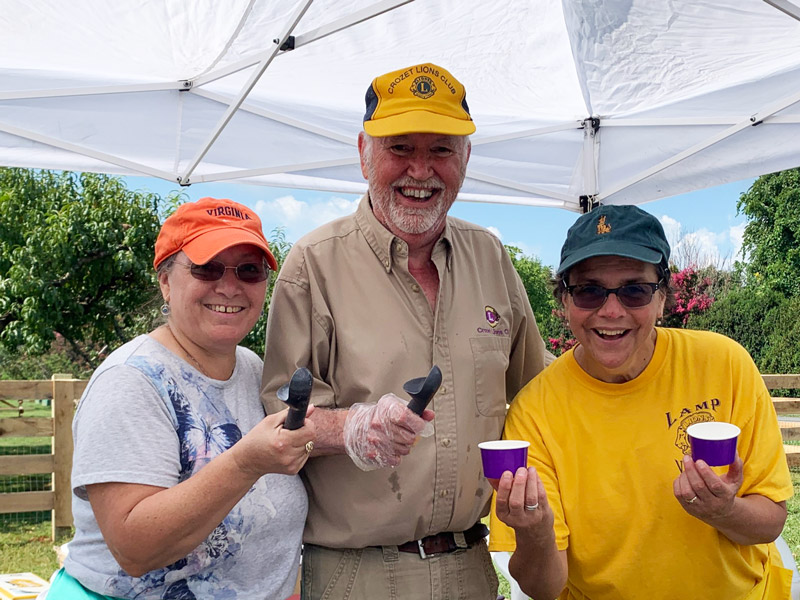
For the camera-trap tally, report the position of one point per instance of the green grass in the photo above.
(30, 408)
(26, 445)
(791, 531)
(504, 589)
(26, 547)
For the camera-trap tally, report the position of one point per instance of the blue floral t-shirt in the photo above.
(148, 417)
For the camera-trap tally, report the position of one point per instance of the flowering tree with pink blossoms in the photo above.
(692, 297)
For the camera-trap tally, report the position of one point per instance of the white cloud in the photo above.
(703, 245)
(736, 234)
(299, 217)
(672, 229)
(699, 248)
(285, 208)
(496, 232)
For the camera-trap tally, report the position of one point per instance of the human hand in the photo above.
(379, 435)
(515, 501)
(269, 448)
(704, 494)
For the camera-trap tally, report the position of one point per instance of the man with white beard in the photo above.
(372, 300)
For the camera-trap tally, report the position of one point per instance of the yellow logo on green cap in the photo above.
(602, 227)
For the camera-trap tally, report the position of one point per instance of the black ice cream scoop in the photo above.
(422, 389)
(296, 394)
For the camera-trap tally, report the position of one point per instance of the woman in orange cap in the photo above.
(182, 488)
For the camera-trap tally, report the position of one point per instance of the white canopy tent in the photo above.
(613, 101)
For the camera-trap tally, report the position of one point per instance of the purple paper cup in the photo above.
(713, 442)
(500, 456)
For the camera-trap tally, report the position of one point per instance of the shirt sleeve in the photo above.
(528, 356)
(520, 425)
(124, 432)
(760, 443)
(299, 331)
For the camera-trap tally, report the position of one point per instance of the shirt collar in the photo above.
(385, 245)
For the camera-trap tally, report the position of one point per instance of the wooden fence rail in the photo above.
(790, 430)
(62, 390)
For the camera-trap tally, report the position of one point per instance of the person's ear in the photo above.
(363, 148)
(163, 283)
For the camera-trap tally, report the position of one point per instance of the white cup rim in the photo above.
(713, 430)
(503, 445)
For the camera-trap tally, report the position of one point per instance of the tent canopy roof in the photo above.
(617, 101)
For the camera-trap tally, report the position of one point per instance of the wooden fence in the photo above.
(62, 390)
(790, 430)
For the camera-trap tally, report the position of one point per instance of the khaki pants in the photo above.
(384, 573)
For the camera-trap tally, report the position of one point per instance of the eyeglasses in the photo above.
(214, 270)
(633, 295)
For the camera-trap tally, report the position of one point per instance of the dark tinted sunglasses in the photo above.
(633, 295)
(214, 270)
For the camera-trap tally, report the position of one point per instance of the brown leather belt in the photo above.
(446, 541)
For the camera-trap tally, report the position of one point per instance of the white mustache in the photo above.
(431, 183)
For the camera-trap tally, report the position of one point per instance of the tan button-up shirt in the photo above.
(346, 306)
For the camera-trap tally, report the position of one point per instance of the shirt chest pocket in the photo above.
(490, 360)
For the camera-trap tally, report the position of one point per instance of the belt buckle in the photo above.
(422, 554)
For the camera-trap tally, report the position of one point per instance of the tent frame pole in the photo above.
(248, 87)
(103, 156)
(477, 176)
(345, 139)
(242, 173)
(591, 154)
(786, 7)
(754, 120)
(357, 17)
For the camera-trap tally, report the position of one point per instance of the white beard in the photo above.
(416, 220)
(413, 220)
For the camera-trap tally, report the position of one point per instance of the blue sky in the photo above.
(702, 226)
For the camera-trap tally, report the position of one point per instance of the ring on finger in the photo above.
(531, 506)
(691, 500)
(309, 446)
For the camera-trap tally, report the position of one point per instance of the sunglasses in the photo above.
(633, 295)
(214, 270)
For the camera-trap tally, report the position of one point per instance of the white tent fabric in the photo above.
(618, 101)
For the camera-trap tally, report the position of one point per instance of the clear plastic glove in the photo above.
(380, 435)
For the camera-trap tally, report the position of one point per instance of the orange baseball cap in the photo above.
(421, 99)
(205, 228)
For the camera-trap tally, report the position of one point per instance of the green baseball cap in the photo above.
(615, 231)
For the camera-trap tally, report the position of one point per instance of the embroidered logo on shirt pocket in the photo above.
(490, 360)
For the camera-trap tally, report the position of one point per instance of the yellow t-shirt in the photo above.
(608, 454)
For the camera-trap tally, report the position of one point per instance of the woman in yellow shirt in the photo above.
(612, 506)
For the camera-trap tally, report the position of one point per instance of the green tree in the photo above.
(280, 248)
(782, 352)
(740, 315)
(538, 281)
(76, 256)
(772, 234)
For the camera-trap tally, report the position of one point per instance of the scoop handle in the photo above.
(296, 417)
(424, 388)
(298, 395)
